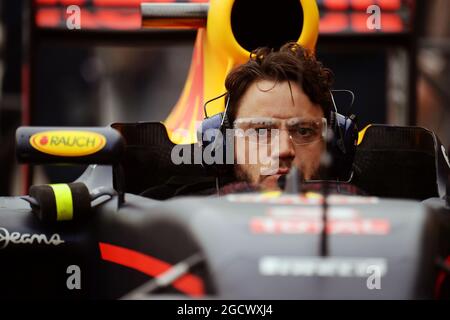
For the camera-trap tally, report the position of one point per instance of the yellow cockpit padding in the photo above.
(313, 195)
(362, 133)
(271, 194)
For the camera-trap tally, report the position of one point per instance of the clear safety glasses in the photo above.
(266, 130)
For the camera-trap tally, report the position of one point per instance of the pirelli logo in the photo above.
(321, 267)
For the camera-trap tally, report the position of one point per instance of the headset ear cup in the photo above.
(332, 138)
(227, 135)
(225, 123)
(330, 173)
(342, 146)
(332, 120)
(212, 137)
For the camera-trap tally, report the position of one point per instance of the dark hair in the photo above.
(292, 63)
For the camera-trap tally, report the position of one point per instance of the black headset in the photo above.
(341, 146)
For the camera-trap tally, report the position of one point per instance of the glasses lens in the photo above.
(266, 131)
(306, 131)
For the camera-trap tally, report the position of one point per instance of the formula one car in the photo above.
(99, 238)
(233, 246)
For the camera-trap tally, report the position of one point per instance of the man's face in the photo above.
(267, 99)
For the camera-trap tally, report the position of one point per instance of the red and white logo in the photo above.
(341, 221)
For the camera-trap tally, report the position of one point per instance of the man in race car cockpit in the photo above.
(286, 90)
(277, 105)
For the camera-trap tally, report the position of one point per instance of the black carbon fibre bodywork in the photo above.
(254, 245)
(221, 230)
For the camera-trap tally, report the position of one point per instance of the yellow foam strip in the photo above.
(64, 203)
